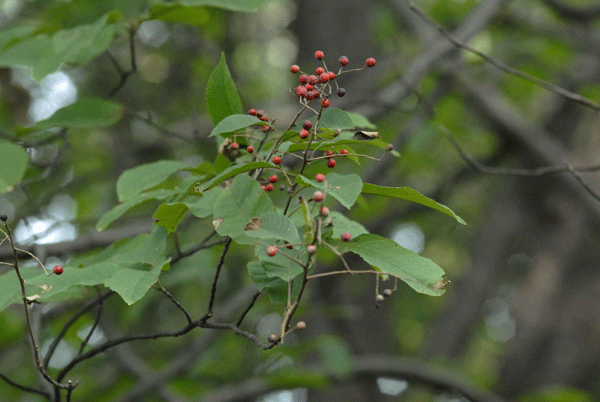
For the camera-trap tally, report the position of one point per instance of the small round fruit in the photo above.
(273, 178)
(3, 218)
(387, 292)
(311, 249)
(303, 79)
(389, 147)
(277, 160)
(324, 211)
(379, 298)
(345, 236)
(329, 152)
(307, 125)
(331, 75)
(319, 70)
(320, 177)
(271, 251)
(289, 246)
(234, 145)
(260, 113)
(312, 79)
(325, 102)
(301, 325)
(252, 112)
(250, 149)
(319, 55)
(304, 134)
(331, 163)
(301, 91)
(344, 61)
(58, 269)
(324, 77)
(317, 196)
(370, 62)
(341, 92)
(344, 152)
(295, 68)
(272, 338)
(264, 187)
(269, 187)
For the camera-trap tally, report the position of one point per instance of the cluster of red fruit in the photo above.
(316, 86)
(310, 249)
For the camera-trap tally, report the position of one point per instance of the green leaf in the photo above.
(344, 188)
(234, 171)
(342, 224)
(336, 119)
(237, 205)
(408, 194)
(26, 52)
(388, 257)
(121, 209)
(286, 264)
(14, 164)
(196, 16)
(232, 5)
(15, 34)
(170, 216)
(140, 178)
(146, 248)
(133, 284)
(361, 121)
(274, 225)
(235, 122)
(203, 205)
(277, 288)
(85, 113)
(222, 98)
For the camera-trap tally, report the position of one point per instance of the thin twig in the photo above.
(179, 306)
(239, 321)
(25, 388)
(582, 182)
(133, 68)
(95, 324)
(505, 67)
(213, 291)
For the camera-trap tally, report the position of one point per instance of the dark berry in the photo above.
(345, 236)
(325, 102)
(331, 163)
(344, 61)
(273, 178)
(319, 70)
(250, 149)
(344, 152)
(3, 218)
(320, 177)
(271, 251)
(252, 112)
(277, 160)
(319, 55)
(304, 134)
(303, 79)
(317, 196)
(341, 92)
(234, 145)
(295, 68)
(307, 125)
(58, 269)
(289, 246)
(370, 62)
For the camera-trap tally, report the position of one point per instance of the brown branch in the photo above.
(25, 388)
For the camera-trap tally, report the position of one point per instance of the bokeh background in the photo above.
(521, 316)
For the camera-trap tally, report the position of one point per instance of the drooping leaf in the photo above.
(342, 224)
(234, 171)
(121, 209)
(231, 5)
(85, 113)
(170, 215)
(222, 98)
(344, 188)
(133, 284)
(142, 177)
(408, 194)
(235, 122)
(336, 119)
(13, 166)
(387, 256)
(277, 288)
(203, 205)
(146, 248)
(274, 225)
(237, 205)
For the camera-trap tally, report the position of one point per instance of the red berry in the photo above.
(295, 68)
(325, 102)
(265, 128)
(303, 79)
(252, 112)
(331, 163)
(250, 149)
(271, 251)
(234, 145)
(312, 79)
(264, 118)
(304, 134)
(277, 160)
(320, 177)
(370, 62)
(307, 125)
(317, 196)
(58, 269)
(319, 70)
(344, 152)
(269, 187)
(346, 236)
(319, 55)
(260, 113)
(311, 249)
(273, 178)
(341, 92)
(344, 61)
(264, 188)
(324, 77)
(309, 87)
(329, 152)
(289, 246)
(300, 91)
(324, 211)
(331, 75)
